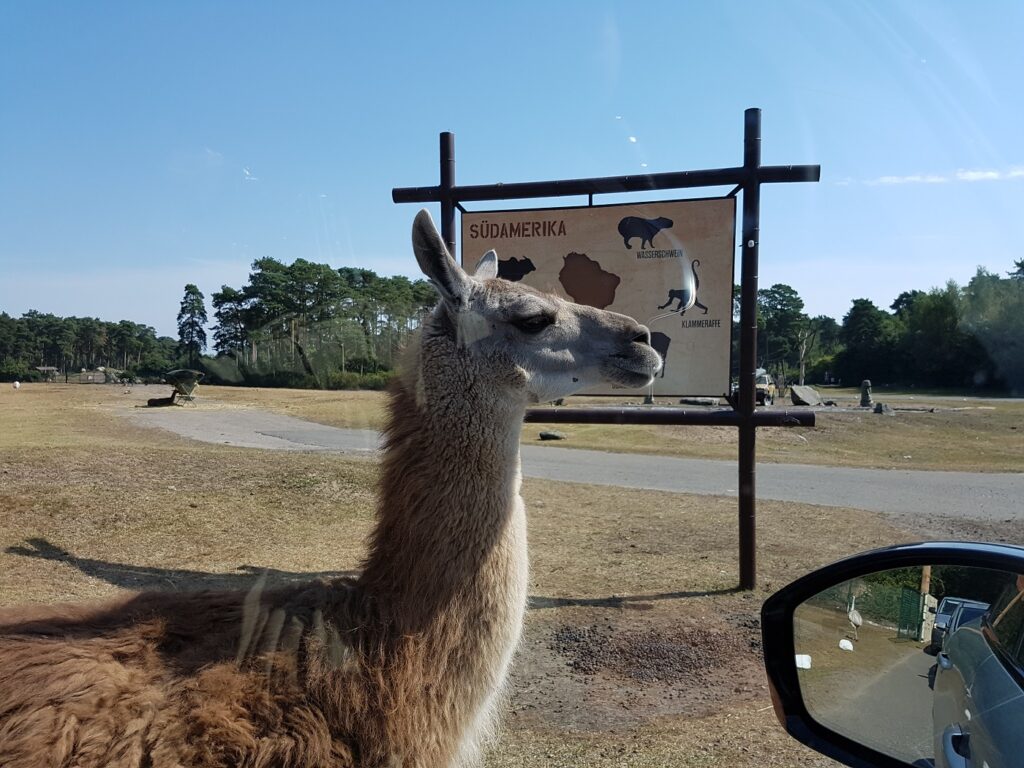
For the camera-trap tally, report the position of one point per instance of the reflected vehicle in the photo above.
(845, 651)
(978, 709)
(965, 613)
(942, 616)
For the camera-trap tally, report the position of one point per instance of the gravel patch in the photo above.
(671, 655)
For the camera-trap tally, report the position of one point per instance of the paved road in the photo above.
(991, 497)
(891, 711)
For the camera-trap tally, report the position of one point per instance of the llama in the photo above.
(402, 665)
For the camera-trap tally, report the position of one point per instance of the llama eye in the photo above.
(534, 324)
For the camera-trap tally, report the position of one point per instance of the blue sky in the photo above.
(144, 145)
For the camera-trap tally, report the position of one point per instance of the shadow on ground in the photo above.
(137, 577)
(622, 601)
(140, 578)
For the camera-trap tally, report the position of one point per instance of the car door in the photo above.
(978, 705)
(956, 666)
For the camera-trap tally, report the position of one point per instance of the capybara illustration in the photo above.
(645, 229)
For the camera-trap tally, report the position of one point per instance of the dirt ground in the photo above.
(637, 650)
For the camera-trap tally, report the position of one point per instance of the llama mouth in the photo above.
(630, 373)
(637, 368)
(631, 380)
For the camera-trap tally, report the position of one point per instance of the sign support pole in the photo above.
(447, 188)
(748, 347)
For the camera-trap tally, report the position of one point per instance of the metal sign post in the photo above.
(748, 347)
(747, 179)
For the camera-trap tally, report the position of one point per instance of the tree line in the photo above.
(311, 325)
(969, 336)
(73, 344)
(307, 325)
(299, 325)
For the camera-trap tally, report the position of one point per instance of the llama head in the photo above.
(535, 343)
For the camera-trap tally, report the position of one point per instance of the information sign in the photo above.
(668, 264)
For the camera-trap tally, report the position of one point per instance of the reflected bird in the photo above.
(854, 616)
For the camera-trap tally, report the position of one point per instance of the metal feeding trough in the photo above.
(185, 382)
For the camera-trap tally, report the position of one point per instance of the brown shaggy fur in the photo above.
(384, 670)
(402, 666)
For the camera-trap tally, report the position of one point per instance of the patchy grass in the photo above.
(747, 736)
(340, 408)
(91, 504)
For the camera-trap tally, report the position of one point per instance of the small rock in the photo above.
(885, 409)
(803, 395)
(550, 434)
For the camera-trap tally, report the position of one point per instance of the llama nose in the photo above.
(644, 336)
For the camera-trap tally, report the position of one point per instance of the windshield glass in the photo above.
(307, 479)
(969, 614)
(948, 605)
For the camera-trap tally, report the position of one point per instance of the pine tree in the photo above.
(191, 319)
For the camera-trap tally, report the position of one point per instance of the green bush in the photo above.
(815, 372)
(11, 370)
(284, 379)
(353, 380)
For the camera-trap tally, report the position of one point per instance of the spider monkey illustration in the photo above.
(679, 294)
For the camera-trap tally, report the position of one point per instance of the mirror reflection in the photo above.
(925, 664)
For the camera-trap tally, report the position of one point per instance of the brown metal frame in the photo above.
(748, 179)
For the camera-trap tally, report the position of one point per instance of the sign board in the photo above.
(639, 259)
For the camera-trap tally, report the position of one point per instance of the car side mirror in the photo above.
(849, 656)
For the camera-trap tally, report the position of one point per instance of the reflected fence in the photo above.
(894, 607)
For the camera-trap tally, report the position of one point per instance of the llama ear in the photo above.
(447, 276)
(487, 267)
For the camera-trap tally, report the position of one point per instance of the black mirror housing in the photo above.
(777, 628)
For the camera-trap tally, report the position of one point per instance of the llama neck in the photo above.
(450, 533)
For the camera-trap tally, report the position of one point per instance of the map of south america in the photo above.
(586, 282)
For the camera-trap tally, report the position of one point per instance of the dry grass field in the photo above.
(636, 652)
(926, 432)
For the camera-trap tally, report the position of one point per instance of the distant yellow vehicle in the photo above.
(765, 387)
